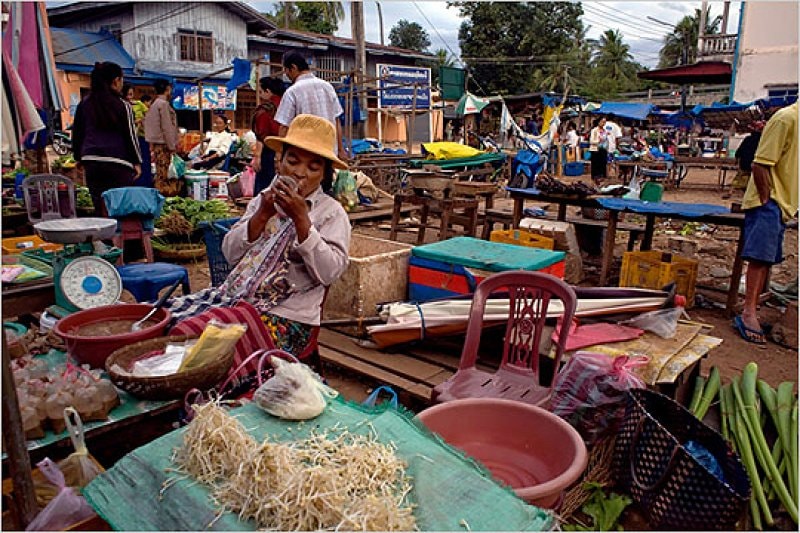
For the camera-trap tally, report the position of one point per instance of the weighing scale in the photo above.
(82, 278)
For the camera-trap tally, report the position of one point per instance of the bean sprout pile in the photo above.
(332, 480)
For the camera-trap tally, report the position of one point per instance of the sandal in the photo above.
(755, 336)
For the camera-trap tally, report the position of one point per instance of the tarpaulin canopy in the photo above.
(630, 110)
(702, 72)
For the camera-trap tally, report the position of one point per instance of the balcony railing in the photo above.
(718, 45)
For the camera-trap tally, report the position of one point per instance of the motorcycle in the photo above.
(62, 141)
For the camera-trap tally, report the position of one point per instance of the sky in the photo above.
(644, 36)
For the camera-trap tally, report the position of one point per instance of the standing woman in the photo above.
(264, 125)
(104, 135)
(598, 146)
(161, 131)
(140, 108)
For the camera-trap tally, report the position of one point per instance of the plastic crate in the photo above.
(574, 168)
(520, 237)
(16, 245)
(654, 270)
(213, 233)
(111, 254)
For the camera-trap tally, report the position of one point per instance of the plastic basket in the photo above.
(213, 233)
(111, 254)
(654, 270)
(522, 238)
(574, 168)
(16, 245)
(673, 488)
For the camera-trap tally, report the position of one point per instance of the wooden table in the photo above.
(735, 220)
(682, 164)
(445, 207)
(27, 298)
(626, 170)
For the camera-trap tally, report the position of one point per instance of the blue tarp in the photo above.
(628, 110)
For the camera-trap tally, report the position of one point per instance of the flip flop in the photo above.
(755, 336)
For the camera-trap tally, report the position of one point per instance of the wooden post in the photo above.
(14, 435)
(258, 85)
(349, 111)
(410, 133)
(200, 105)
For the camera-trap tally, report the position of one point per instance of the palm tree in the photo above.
(684, 35)
(286, 13)
(612, 56)
(443, 58)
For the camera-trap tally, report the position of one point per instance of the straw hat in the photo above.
(311, 133)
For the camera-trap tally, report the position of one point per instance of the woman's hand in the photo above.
(266, 210)
(255, 163)
(294, 206)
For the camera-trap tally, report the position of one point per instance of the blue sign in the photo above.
(397, 86)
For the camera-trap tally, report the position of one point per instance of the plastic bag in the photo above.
(589, 392)
(177, 168)
(634, 189)
(66, 509)
(295, 392)
(663, 322)
(344, 189)
(163, 364)
(248, 181)
(216, 340)
(372, 399)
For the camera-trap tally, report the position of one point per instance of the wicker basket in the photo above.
(181, 252)
(170, 387)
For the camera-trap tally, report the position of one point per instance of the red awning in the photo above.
(703, 72)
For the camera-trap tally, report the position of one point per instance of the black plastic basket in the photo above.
(213, 233)
(669, 484)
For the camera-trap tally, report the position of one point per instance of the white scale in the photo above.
(82, 280)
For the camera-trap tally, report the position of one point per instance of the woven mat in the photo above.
(448, 488)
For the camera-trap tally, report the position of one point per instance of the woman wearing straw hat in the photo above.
(293, 239)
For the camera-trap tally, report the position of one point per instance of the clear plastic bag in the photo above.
(589, 392)
(663, 322)
(65, 510)
(295, 392)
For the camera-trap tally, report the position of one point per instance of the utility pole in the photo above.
(725, 11)
(380, 19)
(702, 29)
(357, 29)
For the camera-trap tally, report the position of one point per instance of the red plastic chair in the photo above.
(518, 377)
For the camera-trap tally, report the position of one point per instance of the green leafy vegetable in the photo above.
(604, 510)
(195, 211)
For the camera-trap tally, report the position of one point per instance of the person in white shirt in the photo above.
(572, 140)
(219, 144)
(613, 132)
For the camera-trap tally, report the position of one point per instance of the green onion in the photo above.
(710, 392)
(699, 383)
(783, 423)
(724, 413)
(793, 455)
(743, 441)
(746, 402)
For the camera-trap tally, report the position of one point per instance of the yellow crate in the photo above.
(654, 270)
(521, 237)
(16, 245)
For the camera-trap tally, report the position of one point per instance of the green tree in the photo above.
(316, 17)
(409, 35)
(539, 37)
(440, 58)
(613, 57)
(685, 35)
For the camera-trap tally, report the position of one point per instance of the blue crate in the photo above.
(574, 168)
(213, 233)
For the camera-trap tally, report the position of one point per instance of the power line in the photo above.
(630, 33)
(159, 18)
(596, 10)
(437, 33)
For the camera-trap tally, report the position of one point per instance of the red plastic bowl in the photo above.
(532, 450)
(95, 350)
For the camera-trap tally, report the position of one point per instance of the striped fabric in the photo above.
(255, 338)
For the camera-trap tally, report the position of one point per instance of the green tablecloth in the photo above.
(468, 162)
(448, 488)
(129, 407)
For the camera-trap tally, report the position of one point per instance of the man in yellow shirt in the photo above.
(769, 202)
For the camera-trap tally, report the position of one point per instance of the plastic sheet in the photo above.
(65, 510)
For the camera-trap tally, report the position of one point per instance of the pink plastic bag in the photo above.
(589, 392)
(66, 509)
(248, 181)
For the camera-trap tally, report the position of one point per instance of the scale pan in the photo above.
(76, 230)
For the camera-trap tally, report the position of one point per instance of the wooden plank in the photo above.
(381, 212)
(400, 364)
(418, 390)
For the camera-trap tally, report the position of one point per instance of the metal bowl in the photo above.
(76, 230)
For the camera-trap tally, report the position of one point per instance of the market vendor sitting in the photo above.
(291, 243)
(219, 144)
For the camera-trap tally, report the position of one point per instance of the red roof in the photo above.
(702, 72)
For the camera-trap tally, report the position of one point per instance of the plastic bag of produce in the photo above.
(177, 168)
(663, 322)
(295, 392)
(344, 189)
(589, 392)
(65, 510)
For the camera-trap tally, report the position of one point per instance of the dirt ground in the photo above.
(715, 247)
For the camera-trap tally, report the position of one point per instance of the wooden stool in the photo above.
(446, 208)
(506, 218)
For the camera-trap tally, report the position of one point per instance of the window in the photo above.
(113, 29)
(196, 46)
(328, 68)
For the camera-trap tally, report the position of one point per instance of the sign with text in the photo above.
(397, 86)
(185, 96)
